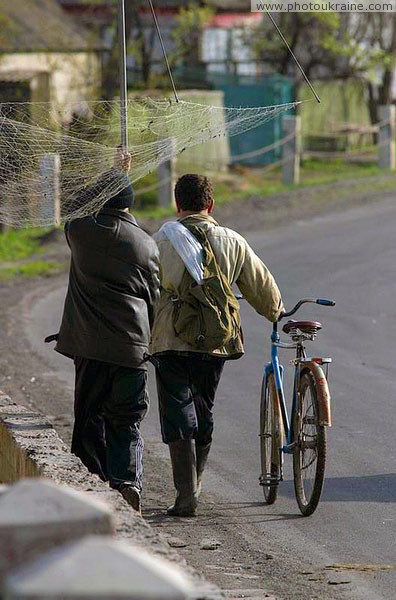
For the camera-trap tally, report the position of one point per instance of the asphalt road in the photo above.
(351, 258)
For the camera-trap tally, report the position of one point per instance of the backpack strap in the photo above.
(187, 246)
(200, 234)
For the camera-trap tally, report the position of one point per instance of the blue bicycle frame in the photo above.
(277, 369)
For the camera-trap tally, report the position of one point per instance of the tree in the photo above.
(311, 36)
(334, 46)
(141, 36)
(139, 41)
(372, 55)
(6, 26)
(187, 33)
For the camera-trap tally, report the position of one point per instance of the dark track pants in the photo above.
(186, 388)
(109, 404)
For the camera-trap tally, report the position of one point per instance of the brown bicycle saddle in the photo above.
(304, 326)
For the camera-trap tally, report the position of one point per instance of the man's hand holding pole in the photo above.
(122, 160)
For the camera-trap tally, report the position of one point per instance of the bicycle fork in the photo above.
(267, 479)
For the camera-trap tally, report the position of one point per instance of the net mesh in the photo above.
(57, 165)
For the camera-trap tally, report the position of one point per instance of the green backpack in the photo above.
(206, 316)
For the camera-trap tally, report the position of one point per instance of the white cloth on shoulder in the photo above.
(188, 248)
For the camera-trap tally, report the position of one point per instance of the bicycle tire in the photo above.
(309, 454)
(270, 437)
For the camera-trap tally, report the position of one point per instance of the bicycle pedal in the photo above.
(269, 480)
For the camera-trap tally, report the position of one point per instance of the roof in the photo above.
(87, 2)
(231, 5)
(17, 75)
(222, 5)
(41, 25)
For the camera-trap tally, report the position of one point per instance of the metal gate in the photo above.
(242, 91)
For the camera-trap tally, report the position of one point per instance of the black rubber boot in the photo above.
(202, 453)
(184, 468)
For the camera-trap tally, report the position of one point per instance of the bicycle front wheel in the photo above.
(270, 439)
(309, 454)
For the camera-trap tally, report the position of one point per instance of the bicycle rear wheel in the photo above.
(270, 439)
(309, 455)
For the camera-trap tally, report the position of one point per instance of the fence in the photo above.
(292, 153)
(290, 162)
(384, 148)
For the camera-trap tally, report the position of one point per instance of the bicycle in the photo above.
(305, 434)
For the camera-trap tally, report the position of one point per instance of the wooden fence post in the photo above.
(291, 150)
(166, 173)
(386, 138)
(50, 208)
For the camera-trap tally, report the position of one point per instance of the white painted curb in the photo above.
(36, 515)
(97, 568)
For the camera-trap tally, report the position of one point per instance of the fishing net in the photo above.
(58, 165)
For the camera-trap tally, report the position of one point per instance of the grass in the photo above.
(315, 171)
(19, 248)
(19, 244)
(18, 251)
(30, 269)
(243, 182)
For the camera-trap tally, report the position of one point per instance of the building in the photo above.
(221, 62)
(46, 56)
(220, 49)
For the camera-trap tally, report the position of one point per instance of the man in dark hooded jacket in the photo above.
(108, 313)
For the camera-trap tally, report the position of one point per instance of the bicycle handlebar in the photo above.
(321, 301)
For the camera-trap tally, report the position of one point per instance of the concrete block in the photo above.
(215, 154)
(18, 423)
(15, 462)
(94, 568)
(36, 515)
(291, 150)
(386, 138)
(50, 176)
(31, 447)
(166, 172)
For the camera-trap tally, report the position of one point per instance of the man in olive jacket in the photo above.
(187, 378)
(108, 313)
